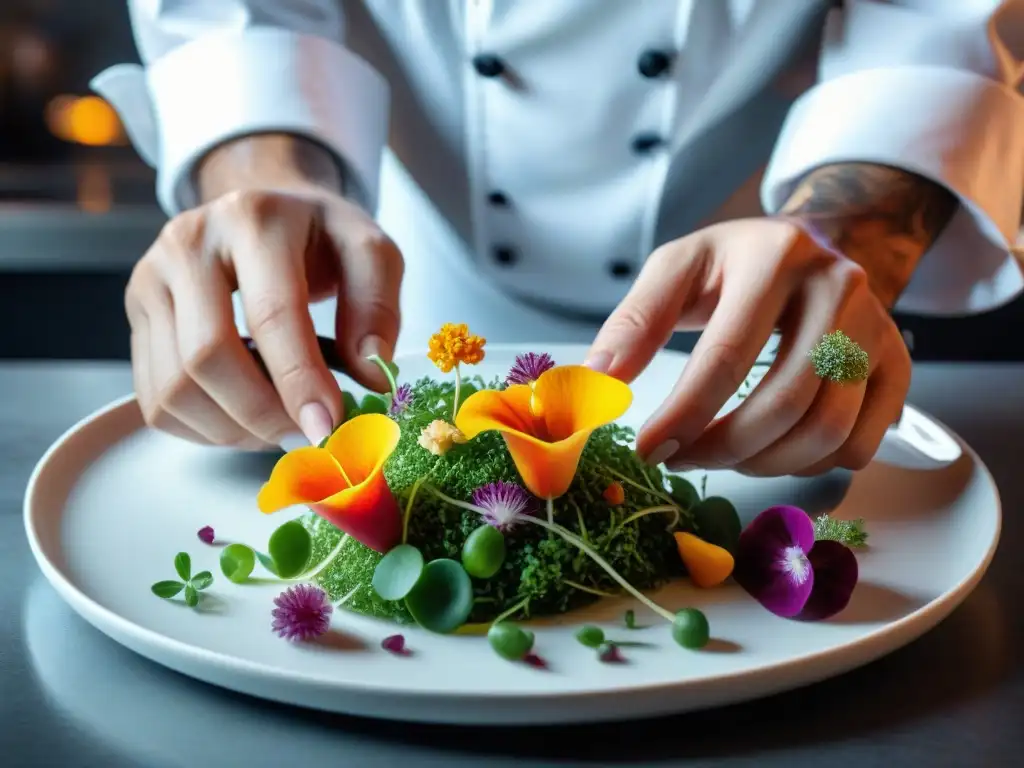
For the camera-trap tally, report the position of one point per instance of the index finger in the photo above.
(727, 350)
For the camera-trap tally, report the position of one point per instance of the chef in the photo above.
(597, 171)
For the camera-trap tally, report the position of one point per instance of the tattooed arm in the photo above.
(883, 218)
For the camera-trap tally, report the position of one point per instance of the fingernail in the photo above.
(375, 345)
(662, 452)
(599, 361)
(315, 421)
(292, 441)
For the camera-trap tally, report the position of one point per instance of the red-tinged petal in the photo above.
(368, 513)
(835, 576)
(302, 476)
(771, 560)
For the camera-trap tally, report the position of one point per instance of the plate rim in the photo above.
(849, 655)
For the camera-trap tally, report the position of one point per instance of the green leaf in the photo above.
(348, 402)
(267, 562)
(202, 580)
(167, 589)
(183, 565)
(718, 523)
(398, 572)
(373, 404)
(683, 492)
(191, 596)
(510, 641)
(484, 552)
(442, 599)
(237, 562)
(290, 547)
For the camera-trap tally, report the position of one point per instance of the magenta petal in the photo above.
(771, 560)
(835, 576)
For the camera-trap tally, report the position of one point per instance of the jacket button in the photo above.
(488, 65)
(497, 199)
(645, 142)
(653, 63)
(620, 269)
(504, 255)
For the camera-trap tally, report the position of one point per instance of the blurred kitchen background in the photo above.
(77, 207)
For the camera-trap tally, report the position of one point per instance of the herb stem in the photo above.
(653, 491)
(455, 502)
(408, 506)
(580, 544)
(551, 510)
(458, 390)
(317, 570)
(673, 509)
(387, 373)
(518, 606)
(590, 590)
(347, 597)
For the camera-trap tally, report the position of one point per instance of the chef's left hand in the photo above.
(741, 281)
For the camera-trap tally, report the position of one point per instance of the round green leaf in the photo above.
(191, 596)
(398, 572)
(183, 565)
(237, 562)
(351, 407)
(373, 404)
(509, 640)
(590, 636)
(167, 589)
(718, 522)
(290, 547)
(683, 492)
(690, 628)
(484, 552)
(442, 599)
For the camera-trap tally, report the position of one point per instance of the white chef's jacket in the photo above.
(541, 149)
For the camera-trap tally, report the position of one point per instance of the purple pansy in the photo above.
(780, 565)
(528, 367)
(401, 400)
(502, 502)
(303, 612)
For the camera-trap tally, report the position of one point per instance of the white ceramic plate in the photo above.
(111, 502)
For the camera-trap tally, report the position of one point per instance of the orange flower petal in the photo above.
(547, 425)
(708, 565)
(362, 445)
(302, 476)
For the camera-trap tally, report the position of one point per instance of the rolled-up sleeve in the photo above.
(932, 87)
(214, 70)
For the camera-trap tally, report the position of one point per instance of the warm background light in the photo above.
(85, 120)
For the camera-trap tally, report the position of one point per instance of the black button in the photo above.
(504, 255)
(488, 65)
(645, 142)
(653, 63)
(498, 199)
(620, 268)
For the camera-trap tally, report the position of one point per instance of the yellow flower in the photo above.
(439, 436)
(454, 344)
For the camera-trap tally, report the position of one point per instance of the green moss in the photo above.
(537, 564)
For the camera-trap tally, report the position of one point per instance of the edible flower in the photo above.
(401, 400)
(528, 367)
(302, 612)
(206, 534)
(779, 563)
(614, 494)
(439, 436)
(502, 503)
(547, 425)
(453, 346)
(343, 482)
(707, 564)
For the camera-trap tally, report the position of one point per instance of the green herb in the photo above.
(848, 532)
(373, 404)
(590, 636)
(509, 640)
(442, 599)
(690, 628)
(290, 547)
(484, 552)
(192, 585)
(398, 572)
(718, 523)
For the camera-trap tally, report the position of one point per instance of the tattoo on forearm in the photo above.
(883, 218)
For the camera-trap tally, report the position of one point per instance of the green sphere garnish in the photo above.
(839, 358)
(442, 599)
(590, 636)
(484, 552)
(289, 548)
(630, 619)
(509, 640)
(237, 562)
(690, 628)
(398, 572)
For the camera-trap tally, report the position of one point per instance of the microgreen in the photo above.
(373, 404)
(509, 640)
(718, 523)
(442, 599)
(398, 572)
(192, 585)
(484, 552)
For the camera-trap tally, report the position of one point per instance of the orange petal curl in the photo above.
(343, 482)
(547, 424)
(708, 565)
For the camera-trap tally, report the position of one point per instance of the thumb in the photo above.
(645, 319)
(368, 316)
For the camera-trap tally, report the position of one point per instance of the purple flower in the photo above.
(528, 367)
(502, 502)
(780, 565)
(205, 534)
(402, 399)
(302, 613)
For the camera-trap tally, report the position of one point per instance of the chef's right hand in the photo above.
(281, 249)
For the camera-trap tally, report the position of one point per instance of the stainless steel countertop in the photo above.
(70, 697)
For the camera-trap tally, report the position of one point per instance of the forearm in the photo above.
(883, 218)
(267, 161)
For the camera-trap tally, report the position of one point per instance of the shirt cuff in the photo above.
(224, 86)
(958, 129)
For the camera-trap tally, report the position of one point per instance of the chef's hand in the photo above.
(282, 241)
(742, 280)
